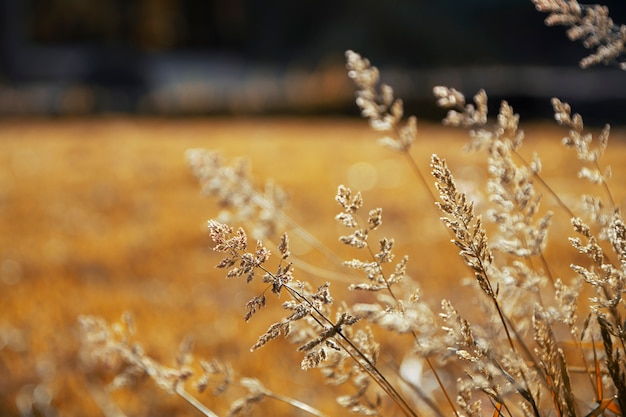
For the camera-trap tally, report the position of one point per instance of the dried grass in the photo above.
(530, 343)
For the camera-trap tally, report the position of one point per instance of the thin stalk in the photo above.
(418, 391)
(262, 202)
(439, 381)
(104, 401)
(505, 322)
(571, 214)
(312, 240)
(397, 301)
(605, 186)
(422, 179)
(314, 270)
(523, 391)
(558, 199)
(359, 357)
(180, 391)
(419, 175)
(297, 404)
(546, 267)
(553, 193)
(498, 407)
(525, 394)
(586, 370)
(526, 350)
(428, 361)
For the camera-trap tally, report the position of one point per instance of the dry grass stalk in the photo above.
(112, 346)
(384, 111)
(510, 352)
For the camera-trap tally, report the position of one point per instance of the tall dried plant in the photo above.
(506, 360)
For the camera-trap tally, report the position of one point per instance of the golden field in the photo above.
(102, 216)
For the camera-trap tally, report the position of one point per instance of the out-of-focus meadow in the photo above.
(102, 216)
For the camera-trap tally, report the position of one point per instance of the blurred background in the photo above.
(198, 57)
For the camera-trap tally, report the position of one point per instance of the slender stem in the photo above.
(526, 350)
(505, 322)
(558, 199)
(180, 390)
(439, 381)
(313, 269)
(553, 193)
(422, 179)
(571, 214)
(370, 368)
(419, 175)
(359, 357)
(104, 401)
(605, 186)
(428, 361)
(546, 267)
(418, 390)
(297, 404)
(311, 240)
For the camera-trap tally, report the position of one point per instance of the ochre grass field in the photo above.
(103, 216)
